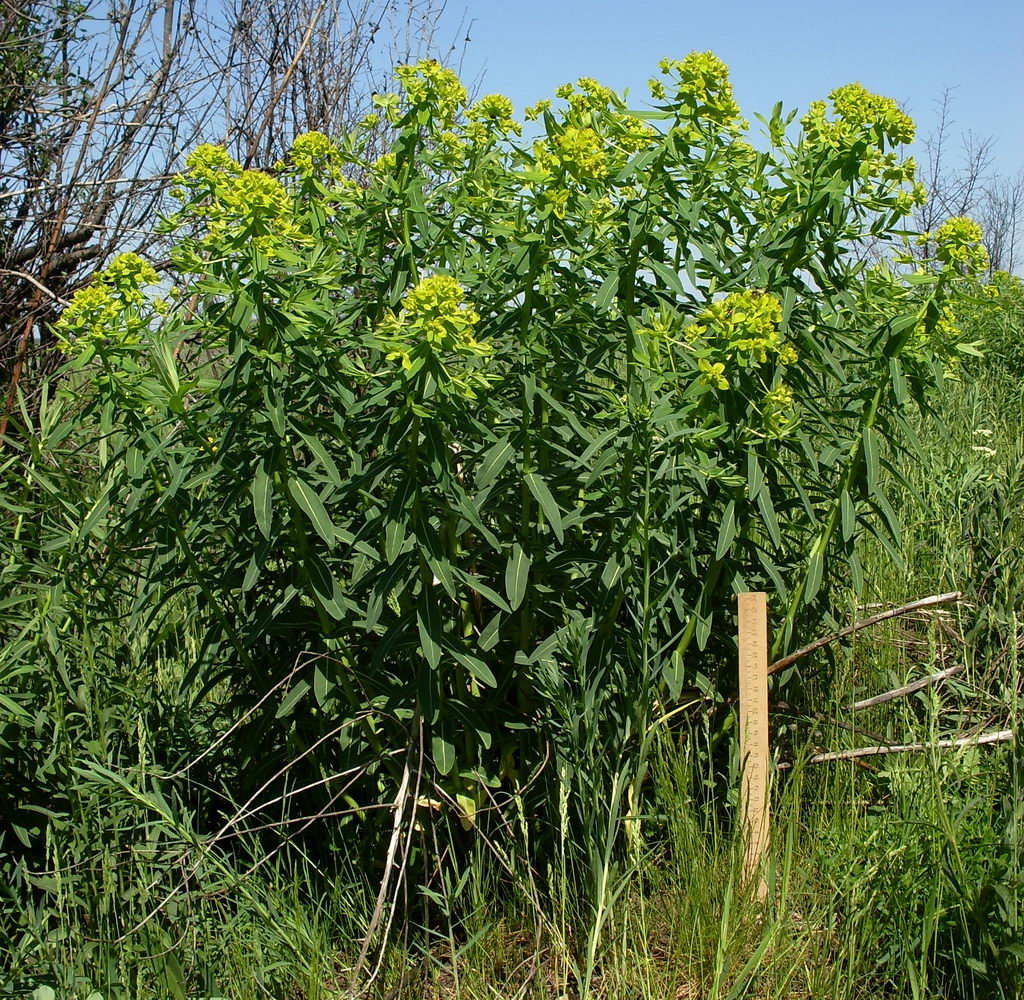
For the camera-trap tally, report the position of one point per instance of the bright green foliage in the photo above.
(636, 358)
(484, 447)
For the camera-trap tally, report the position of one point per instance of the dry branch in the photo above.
(924, 602)
(880, 699)
(1002, 736)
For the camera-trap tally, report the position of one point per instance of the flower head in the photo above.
(107, 311)
(581, 153)
(712, 373)
(745, 324)
(702, 86)
(433, 88)
(495, 111)
(433, 311)
(314, 155)
(858, 115)
(958, 245)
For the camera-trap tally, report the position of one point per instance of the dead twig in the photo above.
(1003, 736)
(880, 699)
(924, 602)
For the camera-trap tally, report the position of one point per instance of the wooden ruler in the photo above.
(753, 643)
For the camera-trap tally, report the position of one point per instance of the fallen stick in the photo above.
(924, 602)
(880, 699)
(1003, 736)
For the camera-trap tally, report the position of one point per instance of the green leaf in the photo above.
(547, 502)
(611, 572)
(490, 634)
(321, 454)
(476, 667)
(322, 684)
(755, 476)
(428, 622)
(667, 274)
(325, 586)
(768, 517)
(726, 531)
(849, 515)
(475, 583)
(444, 754)
(494, 461)
(309, 501)
(263, 498)
(606, 293)
(517, 572)
(871, 458)
(814, 571)
(292, 699)
(394, 538)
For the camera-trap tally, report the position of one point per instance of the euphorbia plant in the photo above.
(496, 432)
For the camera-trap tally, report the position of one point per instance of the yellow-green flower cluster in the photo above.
(431, 87)
(591, 99)
(581, 154)
(107, 311)
(906, 201)
(778, 411)
(534, 111)
(209, 164)
(235, 202)
(958, 245)
(702, 85)
(882, 174)
(313, 155)
(712, 374)
(744, 325)
(940, 337)
(739, 333)
(491, 116)
(1006, 286)
(632, 135)
(451, 147)
(593, 139)
(257, 196)
(433, 314)
(128, 273)
(858, 115)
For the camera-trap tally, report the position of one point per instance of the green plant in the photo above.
(455, 474)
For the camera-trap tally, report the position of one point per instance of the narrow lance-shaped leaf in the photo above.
(312, 506)
(263, 499)
(517, 572)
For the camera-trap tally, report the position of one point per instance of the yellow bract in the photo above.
(433, 312)
(958, 245)
(745, 322)
(431, 86)
(106, 311)
(314, 155)
(712, 374)
(702, 83)
(859, 114)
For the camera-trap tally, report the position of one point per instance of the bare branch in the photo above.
(924, 602)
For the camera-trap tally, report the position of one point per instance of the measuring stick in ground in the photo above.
(753, 643)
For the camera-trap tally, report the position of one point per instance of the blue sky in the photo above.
(789, 51)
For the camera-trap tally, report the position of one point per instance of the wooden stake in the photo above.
(753, 643)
